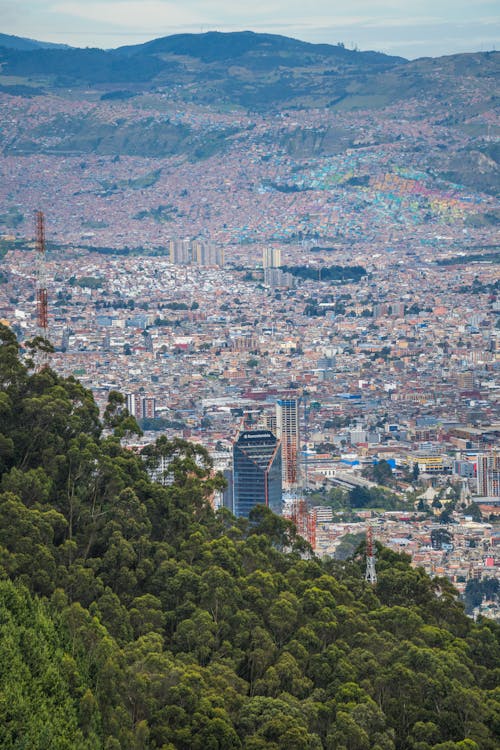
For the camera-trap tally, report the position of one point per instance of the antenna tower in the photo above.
(42, 308)
(311, 528)
(371, 573)
(304, 520)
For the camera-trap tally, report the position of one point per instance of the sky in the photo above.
(410, 28)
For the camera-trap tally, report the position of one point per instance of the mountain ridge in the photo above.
(25, 43)
(216, 45)
(174, 42)
(282, 107)
(257, 71)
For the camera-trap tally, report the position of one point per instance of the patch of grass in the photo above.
(90, 224)
(11, 218)
(161, 214)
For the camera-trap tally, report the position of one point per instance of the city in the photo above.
(400, 365)
(249, 380)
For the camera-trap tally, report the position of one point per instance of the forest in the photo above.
(133, 616)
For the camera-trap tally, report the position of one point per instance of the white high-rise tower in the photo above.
(288, 431)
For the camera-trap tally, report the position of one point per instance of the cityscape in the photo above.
(250, 396)
(400, 365)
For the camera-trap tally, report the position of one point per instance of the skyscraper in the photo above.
(148, 407)
(288, 431)
(195, 252)
(256, 471)
(271, 257)
(180, 251)
(488, 474)
(134, 404)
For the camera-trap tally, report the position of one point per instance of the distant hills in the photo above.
(21, 43)
(253, 70)
(254, 50)
(250, 69)
(257, 73)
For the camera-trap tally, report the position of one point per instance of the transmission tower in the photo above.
(42, 309)
(371, 573)
(304, 520)
(311, 528)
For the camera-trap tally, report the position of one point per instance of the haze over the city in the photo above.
(401, 28)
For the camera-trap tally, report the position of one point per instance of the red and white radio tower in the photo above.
(42, 309)
(371, 573)
(304, 520)
(42, 305)
(311, 528)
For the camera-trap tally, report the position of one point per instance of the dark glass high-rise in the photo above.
(257, 472)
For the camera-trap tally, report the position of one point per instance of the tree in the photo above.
(382, 472)
(475, 591)
(440, 537)
(134, 616)
(117, 417)
(359, 497)
(41, 706)
(474, 510)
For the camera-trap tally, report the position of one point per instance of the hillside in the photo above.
(21, 43)
(375, 135)
(258, 70)
(133, 616)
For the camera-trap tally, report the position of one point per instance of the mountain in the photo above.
(282, 114)
(255, 70)
(248, 47)
(21, 43)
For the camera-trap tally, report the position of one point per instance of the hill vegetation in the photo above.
(218, 57)
(132, 616)
(22, 43)
(257, 71)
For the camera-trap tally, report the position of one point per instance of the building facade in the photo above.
(488, 474)
(256, 472)
(271, 257)
(288, 431)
